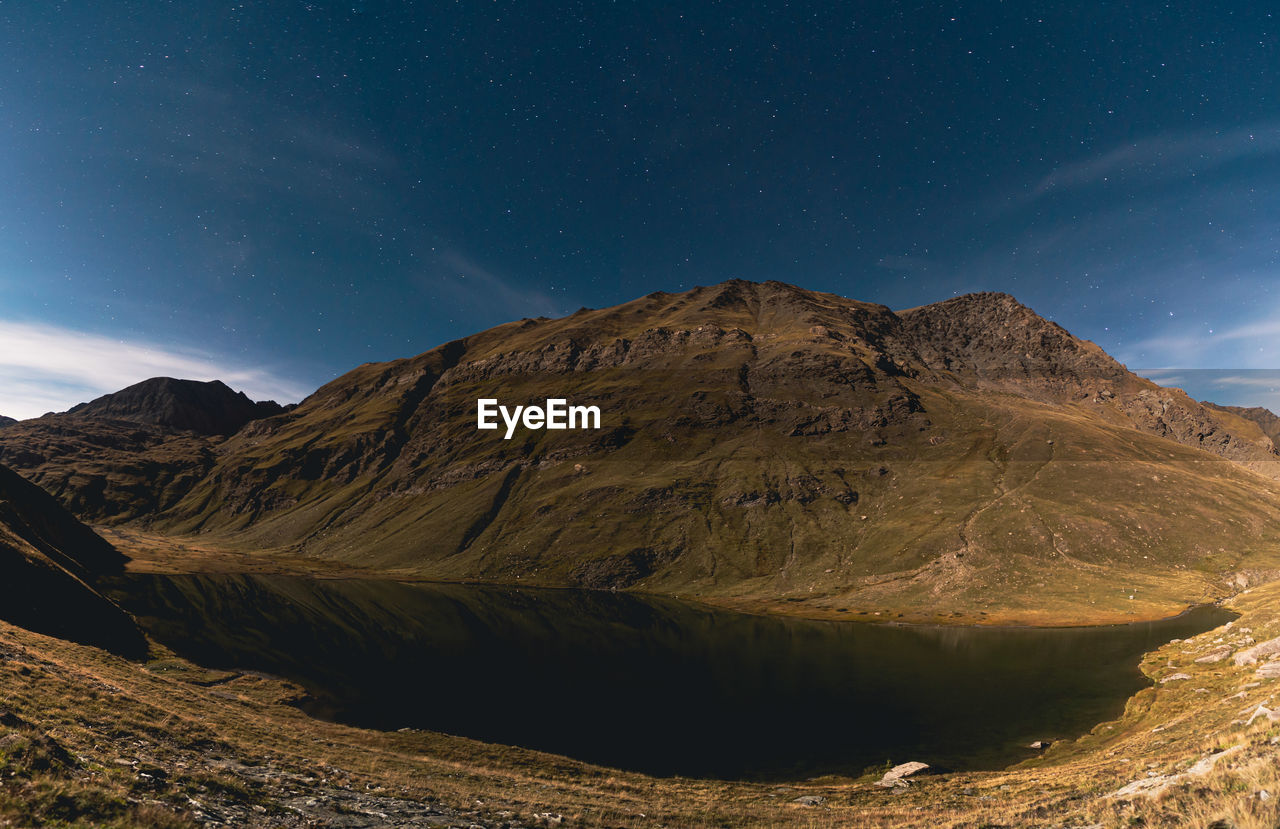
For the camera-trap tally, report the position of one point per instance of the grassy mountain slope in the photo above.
(48, 561)
(770, 447)
(127, 455)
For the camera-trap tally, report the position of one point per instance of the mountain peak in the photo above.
(757, 440)
(209, 408)
(996, 337)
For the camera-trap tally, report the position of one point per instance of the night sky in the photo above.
(273, 193)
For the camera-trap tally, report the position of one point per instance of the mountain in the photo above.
(48, 562)
(129, 455)
(1266, 419)
(761, 446)
(764, 446)
(5, 421)
(181, 405)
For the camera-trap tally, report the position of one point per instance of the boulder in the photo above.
(897, 775)
(1271, 670)
(1216, 655)
(1248, 656)
(810, 800)
(1263, 711)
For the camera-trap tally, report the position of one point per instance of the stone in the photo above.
(1040, 745)
(1175, 677)
(810, 800)
(1248, 656)
(1216, 655)
(1271, 670)
(897, 775)
(1263, 711)
(1153, 786)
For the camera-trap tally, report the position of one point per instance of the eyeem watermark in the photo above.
(557, 414)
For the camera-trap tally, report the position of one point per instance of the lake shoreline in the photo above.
(158, 554)
(685, 673)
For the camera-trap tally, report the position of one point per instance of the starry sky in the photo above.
(273, 193)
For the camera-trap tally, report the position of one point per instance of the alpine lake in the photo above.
(654, 684)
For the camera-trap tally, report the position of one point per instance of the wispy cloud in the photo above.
(1250, 345)
(47, 368)
(1239, 387)
(1164, 378)
(1166, 156)
(1261, 379)
(471, 283)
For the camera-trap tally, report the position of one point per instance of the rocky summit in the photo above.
(126, 456)
(760, 446)
(210, 408)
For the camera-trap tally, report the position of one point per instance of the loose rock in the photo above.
(1263, 711)
(810, 800)
(1216, 655)
(1248, 656)
(896, 775)
(1271, 670)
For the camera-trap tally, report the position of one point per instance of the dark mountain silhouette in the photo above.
(48, 564)
(182, 405)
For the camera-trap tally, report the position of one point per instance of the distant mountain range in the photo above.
(179, 405)
(762, 446)
(129, 455)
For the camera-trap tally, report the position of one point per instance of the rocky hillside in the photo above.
(128, 455)
(5, 421)
(1266, 419)
(48, 562)
(763, 445)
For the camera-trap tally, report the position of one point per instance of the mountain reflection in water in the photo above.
(652, 684)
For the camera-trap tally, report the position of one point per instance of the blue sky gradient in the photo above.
(273, 194)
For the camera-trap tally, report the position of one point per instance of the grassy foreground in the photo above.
(89, 739)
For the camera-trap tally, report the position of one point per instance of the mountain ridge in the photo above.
(127, 455)
(207, 408)
(764, 447)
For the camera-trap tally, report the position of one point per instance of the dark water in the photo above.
(656, 685)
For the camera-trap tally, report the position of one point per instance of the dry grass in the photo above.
(203, 730)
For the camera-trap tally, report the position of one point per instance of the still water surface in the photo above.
(652, 684)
